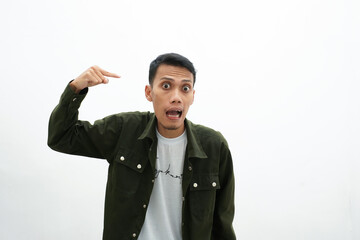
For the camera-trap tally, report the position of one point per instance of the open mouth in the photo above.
(174, 114)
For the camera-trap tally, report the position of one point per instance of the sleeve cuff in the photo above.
(70, 98)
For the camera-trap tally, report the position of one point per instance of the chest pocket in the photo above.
(126, 171)
(203, 182)
(202, 195)
(131, 159)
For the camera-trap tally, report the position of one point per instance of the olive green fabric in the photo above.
(128, 142)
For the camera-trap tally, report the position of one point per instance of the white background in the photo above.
(279, 79)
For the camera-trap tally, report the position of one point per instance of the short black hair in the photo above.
(172, 59)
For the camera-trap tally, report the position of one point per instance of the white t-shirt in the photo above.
(163, 216)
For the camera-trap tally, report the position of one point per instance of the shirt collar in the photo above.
(150, 129)
(194, 144)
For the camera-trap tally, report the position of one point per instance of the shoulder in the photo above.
(206, 134)
(125, 120)
(133, 117)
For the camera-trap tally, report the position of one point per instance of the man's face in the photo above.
(172, 94)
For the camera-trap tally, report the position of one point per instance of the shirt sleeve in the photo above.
(67, 134)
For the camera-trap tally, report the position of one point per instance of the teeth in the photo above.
(175, 113)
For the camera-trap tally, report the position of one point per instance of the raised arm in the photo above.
(67, 134)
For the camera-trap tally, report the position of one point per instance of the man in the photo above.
(168, 178)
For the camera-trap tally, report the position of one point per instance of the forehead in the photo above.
(165, 71)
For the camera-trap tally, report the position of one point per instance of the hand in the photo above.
(91, 77)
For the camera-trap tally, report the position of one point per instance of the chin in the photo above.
(174, 128)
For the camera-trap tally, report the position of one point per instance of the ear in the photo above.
(193, 97)
(148, 93)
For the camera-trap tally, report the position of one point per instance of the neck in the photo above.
(171, 132)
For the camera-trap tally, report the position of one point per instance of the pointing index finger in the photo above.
(108, 74)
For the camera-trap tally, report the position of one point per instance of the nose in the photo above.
(175, 97)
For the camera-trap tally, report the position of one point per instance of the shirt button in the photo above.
(183, 198)
(153, 180)
(195, 185)
(214, 184)
(138, 166)
(144, 206)
(122, 158)
(134, 235)
(190, 168)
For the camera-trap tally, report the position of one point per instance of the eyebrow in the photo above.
(170, 79)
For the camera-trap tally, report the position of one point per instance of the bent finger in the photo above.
(106, 81)
(99, 76)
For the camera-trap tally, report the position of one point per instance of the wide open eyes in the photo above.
(166, 85)
(185, 88)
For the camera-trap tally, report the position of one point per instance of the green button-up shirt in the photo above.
(128, 142)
